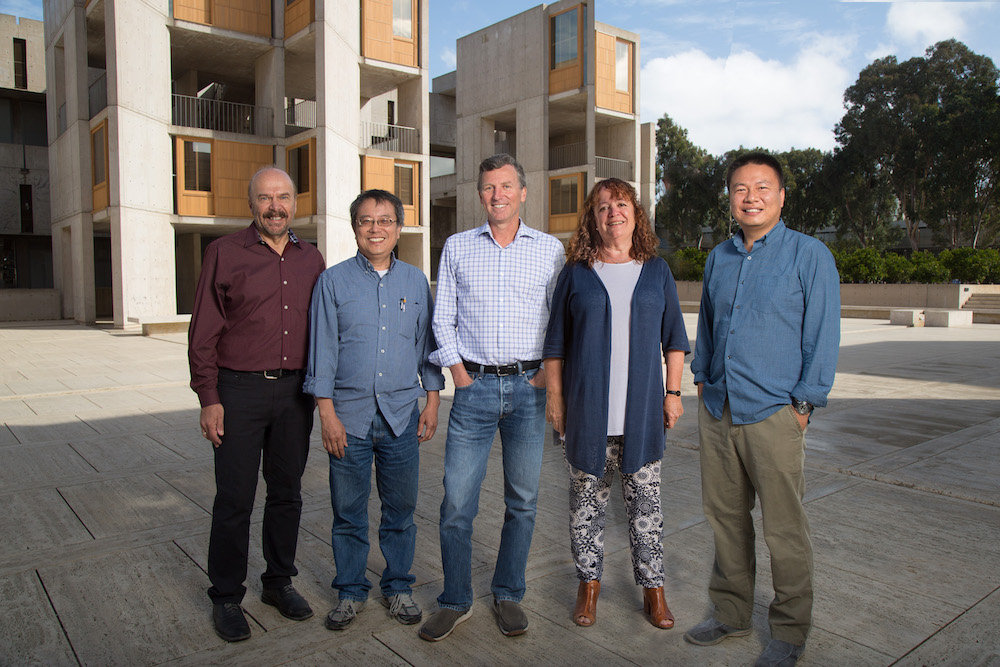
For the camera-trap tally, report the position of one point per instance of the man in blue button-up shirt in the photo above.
(370, 339)
(766, 354)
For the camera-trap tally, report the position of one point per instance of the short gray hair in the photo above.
(494, 162)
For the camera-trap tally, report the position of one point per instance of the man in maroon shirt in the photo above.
(247, 350)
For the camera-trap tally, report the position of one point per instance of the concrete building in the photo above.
(25, 234)
(560, 92)
(161, 110)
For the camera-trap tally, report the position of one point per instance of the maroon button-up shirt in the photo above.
(251, 308)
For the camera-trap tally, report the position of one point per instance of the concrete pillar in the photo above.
(142, 239)
(338, 125)
(269, 91)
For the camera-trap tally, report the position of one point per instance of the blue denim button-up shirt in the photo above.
(769, 325)
(370, 338)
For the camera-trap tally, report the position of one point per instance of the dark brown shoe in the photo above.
(585, 612)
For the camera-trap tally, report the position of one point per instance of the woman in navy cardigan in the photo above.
(614, 310)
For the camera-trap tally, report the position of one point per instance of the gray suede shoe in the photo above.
(712, 632)
(442, 623)
(510, 617)
(779, 654)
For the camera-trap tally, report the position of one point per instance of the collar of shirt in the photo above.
(774, 234)
(255, 238)
(523, 231)
(367, 266)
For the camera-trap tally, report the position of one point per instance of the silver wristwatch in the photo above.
(801, 407)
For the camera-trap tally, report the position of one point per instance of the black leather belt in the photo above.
(510, 369)
(270, 375)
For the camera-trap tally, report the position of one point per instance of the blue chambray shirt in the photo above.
(369, 340)
(769, 325)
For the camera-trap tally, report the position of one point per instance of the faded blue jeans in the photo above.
(397, 469)
(517, 409)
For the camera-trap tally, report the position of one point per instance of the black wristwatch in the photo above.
(801, 407)
(674, 393)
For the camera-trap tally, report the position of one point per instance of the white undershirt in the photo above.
(619, 280)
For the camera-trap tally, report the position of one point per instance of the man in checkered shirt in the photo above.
(495, 286)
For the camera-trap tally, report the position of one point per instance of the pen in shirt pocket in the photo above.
(402, 304)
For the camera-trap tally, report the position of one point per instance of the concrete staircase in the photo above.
(985, 308)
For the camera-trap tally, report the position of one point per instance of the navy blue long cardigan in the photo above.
(579, 333)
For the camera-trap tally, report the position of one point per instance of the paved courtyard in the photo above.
(106, 487)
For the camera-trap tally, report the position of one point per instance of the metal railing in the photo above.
(567, 155)
(301, 114)
(504, 143)
(97, 95)
(221, 116)
(608, 167)
(385, 137)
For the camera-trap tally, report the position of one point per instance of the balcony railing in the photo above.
(98, 95)
(567, 155)
(608, 167)
(504, 143)
(301, 114)
(387, 137)
(221, 116)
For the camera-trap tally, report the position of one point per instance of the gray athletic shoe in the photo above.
(403, 608)
(343, 614)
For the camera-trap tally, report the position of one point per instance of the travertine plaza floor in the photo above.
(106, 488)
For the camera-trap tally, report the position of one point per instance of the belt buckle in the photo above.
(509, 369)
(272, 377)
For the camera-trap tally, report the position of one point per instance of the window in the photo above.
(390, 113)
(198, 166)
(563, 195)
(20, 63)
(402, 18)
(403, 183)
(622, 66)
(564, 38)
(97, 155)
(298, 167)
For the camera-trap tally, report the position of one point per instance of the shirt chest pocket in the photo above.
(777, 294)
(409, 311)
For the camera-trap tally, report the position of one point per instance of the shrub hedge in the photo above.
(865, 265)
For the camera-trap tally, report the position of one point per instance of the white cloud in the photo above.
(746, 100)
(448, 57)
(922, 24)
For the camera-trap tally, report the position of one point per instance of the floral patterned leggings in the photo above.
(588, 501)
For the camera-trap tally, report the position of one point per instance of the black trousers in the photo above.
(263, 418)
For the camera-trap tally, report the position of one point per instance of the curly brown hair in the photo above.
(586, 244)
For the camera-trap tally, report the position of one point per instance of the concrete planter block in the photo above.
(907, 317)
(948, 318)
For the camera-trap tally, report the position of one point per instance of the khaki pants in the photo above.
(738, 461)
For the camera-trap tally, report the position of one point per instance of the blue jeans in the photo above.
(397, 468)
(518, 410)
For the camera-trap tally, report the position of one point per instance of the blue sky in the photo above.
(767, 73)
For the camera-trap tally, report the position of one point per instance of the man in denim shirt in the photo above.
(766, 354)
(370, 338)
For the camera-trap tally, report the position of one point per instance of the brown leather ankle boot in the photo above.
(585, 612)
(654, 605)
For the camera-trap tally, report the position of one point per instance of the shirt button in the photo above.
(383, 328)
(383, 305)
(380, 375)
(286, 307)
(284, 358)
(729, 356)
(732, 331)
(284, 282)
(286, 333)
(738, 307)
(382, 351)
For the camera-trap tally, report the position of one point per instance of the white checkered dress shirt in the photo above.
(492, 303)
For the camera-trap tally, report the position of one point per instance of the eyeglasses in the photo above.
(381, 222)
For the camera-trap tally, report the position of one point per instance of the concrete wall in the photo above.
(32, 32)
(25, 305)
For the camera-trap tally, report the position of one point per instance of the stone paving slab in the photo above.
(901, 493)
